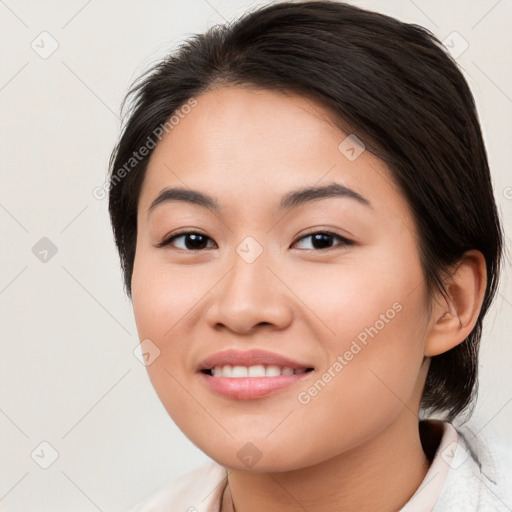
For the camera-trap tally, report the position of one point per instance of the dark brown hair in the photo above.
(390, 83)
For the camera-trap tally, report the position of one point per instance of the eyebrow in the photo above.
(290, 200)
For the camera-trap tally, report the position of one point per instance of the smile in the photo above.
(237, 372)
(251, 374)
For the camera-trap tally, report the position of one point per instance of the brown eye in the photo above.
(189, 241)
(324, 240)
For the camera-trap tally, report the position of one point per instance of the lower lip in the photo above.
(249, 388)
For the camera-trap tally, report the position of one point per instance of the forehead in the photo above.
(251, 145)
(245, 129)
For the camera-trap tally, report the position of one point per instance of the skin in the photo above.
(356, 444)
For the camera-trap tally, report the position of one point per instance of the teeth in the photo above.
(238, 371)
(273, 371)
(253, 371)
(225, 371)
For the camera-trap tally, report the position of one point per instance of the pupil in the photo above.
(195, 241)
(321, 240)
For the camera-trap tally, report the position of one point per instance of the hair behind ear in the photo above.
(456, 316)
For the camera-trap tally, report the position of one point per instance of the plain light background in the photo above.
(69, 376)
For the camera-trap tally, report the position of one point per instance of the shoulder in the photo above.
(199, 490)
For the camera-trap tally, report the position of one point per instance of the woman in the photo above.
(305, 218)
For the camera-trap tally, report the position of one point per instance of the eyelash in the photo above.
(344, 241)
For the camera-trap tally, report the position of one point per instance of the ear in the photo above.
(455, 315)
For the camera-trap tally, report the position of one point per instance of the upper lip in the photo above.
(250, 358)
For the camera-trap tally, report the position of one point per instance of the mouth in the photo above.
(246, 375)
(261, 371)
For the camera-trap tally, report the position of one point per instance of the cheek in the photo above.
(162, 295)
(161, 298)
(165, 301)
(364, 298)
(373, 320)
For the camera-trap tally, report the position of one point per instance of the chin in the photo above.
(259, 455)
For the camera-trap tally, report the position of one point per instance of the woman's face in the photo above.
(348, 302)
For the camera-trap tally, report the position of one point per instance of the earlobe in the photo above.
(455, 315)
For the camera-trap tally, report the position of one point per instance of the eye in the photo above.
(323, 240)
(194, 241)
(191, 241)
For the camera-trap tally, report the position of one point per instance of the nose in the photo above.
(250, 296)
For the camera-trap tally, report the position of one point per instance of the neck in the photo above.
(381, 474)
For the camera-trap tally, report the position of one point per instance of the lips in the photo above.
(250, 358)
(252, 374)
